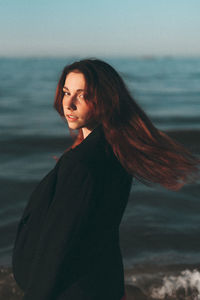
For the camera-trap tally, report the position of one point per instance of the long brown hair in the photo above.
(147, 153)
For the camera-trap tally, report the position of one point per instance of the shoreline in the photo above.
(138, 290)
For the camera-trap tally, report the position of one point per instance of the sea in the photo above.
(160, 229)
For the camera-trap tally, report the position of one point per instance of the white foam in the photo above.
(187, 280)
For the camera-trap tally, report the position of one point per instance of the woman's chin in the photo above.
(74, 126)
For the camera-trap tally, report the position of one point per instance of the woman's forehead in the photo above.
(75, 80)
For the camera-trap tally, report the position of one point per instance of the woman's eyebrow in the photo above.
(79, 90)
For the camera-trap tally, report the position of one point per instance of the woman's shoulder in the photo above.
(94, 153)
(93, 148)
(84, 157)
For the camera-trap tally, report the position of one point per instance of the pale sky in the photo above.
(104, 27)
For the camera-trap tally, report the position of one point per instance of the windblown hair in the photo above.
(147, 153)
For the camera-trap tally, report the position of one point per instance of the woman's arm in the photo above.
(67, 217)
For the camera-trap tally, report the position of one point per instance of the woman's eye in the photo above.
(81, 96)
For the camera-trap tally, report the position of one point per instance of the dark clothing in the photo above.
(67, 241)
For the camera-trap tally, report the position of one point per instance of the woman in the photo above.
(67, 242)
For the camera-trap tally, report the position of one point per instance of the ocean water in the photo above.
(160, 229)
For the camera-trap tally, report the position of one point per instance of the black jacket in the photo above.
(67, 241)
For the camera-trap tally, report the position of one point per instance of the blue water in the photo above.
(160, 229)
(167, 88)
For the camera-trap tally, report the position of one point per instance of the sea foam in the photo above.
(186, 284)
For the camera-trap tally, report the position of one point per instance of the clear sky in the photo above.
(103, 27)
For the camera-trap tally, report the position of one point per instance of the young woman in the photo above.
(67, 242)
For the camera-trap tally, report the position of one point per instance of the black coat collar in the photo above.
(94, 140)
(93, 147)
(95, 137)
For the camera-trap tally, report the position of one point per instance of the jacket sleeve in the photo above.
(67, 216)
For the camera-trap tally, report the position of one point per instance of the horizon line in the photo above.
(143, 56)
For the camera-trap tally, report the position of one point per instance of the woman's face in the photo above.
(75, 108)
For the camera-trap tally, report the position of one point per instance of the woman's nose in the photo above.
(70, 103)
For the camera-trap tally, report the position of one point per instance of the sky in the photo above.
(103, 27)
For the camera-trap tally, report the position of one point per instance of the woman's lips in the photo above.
(71, 118)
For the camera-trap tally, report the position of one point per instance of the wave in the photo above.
(31, 143)
(172, 285)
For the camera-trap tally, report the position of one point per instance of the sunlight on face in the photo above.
(76, 110)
